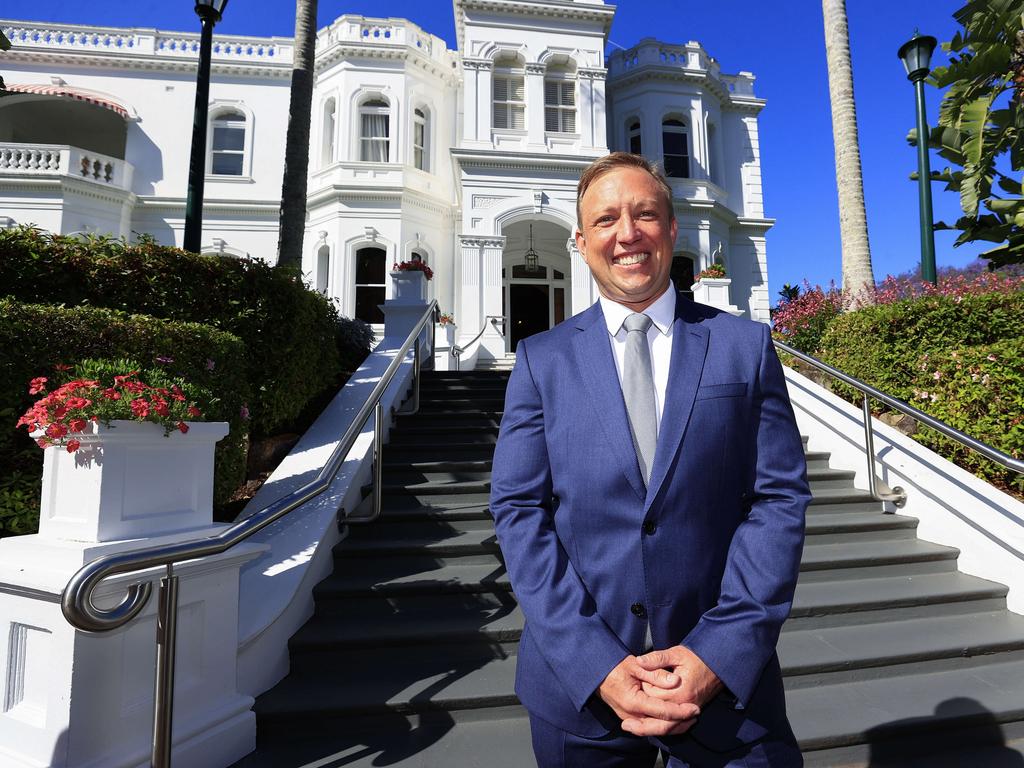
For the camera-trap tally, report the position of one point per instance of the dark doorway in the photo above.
(682, 274)
(530, 313)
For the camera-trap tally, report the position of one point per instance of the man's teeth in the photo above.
(632, 258)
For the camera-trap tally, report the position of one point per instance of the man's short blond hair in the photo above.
(612, 162)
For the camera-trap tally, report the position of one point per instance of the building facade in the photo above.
(467, 158)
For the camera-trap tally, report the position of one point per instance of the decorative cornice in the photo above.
(481, 241)
(533, 68)
(593, 73)
(700, 77)
(478, 64)
(349, 50)
(526, 161)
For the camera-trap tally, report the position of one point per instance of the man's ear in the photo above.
(581, 244)
(674, 229)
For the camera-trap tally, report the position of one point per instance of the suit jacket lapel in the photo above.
(593, 351)
(689, 349)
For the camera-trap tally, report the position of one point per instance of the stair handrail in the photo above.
(898, 496)
(494, 321)
(77, 597)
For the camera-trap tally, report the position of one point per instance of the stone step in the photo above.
(904, 707)
(843, 523)
(355, 577)
(483, 738)
(378, 681)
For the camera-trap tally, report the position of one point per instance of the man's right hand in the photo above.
(641, 714)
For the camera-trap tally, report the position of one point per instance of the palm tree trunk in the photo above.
(296, 153)
(858, 277)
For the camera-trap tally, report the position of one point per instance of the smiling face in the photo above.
(626, 236)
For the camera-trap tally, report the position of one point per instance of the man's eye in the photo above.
(605, 220)
(648, 215)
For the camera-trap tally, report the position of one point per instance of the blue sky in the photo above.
(780, 42)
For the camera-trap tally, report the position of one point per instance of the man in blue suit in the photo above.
(648, 493)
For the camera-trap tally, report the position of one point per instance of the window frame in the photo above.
(221, 111)
(370, 106)
(511, 75)
(421, 142)
(356, 285)
(634, 130)
(676, 126)
(559, 109)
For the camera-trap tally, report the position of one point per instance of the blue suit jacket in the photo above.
(727, 495)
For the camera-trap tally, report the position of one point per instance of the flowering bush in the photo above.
(446, 319)
(414, 266)
(102, 391)
(802, 321)
(716, 270)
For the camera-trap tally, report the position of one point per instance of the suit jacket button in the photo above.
(650, 527)
(638, 610)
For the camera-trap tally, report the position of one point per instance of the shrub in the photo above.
(37, 338)
(957, 357)
(296, 344)
(801, 321)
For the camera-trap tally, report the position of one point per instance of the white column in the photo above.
(535, 107)
(485, 90)
(584, 289)
(492, 343)
(593, 116)
(480, 297)
(475, 99)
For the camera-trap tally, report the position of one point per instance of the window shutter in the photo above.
(550, 92)
(518, 117)
(500, 89)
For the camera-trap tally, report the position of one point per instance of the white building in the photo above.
(457, 156)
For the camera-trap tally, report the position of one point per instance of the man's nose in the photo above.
(628, 231)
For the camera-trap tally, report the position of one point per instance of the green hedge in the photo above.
(36, 337)
(296, 344)
(960, 359)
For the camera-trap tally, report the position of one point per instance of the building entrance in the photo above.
(534, 296)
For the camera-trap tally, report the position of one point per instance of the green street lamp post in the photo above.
(209, 11)
(916, 55)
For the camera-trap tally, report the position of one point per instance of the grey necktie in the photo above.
(638, 391)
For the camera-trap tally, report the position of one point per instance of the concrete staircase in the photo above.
(891, 657)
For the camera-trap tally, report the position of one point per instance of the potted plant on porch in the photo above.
(409, 278)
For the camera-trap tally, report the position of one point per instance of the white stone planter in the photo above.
(715, 292)
(408, 286)
(129, 481)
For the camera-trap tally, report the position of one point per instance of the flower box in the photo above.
(408, 286)
(129, 480)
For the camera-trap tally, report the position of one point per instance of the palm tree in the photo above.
(853, 221)
(296, 153)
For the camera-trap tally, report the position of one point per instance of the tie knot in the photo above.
(637, 322)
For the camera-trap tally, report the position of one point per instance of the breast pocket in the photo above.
(711, 391)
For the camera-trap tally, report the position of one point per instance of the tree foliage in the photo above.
(981, 126)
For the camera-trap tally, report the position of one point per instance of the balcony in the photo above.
(64, 161)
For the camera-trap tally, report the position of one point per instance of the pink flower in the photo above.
(37, 385)
(73, 445)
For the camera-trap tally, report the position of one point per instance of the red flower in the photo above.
(77, 425)
(62, 367)
(111, 394)
(177, 394)
(37, 385)
(160, 406)
(73, 445)
(140, 408)
(56, 431)
(194, 412)
(183, 427)
(78, 402)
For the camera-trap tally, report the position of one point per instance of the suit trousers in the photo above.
(555, 748)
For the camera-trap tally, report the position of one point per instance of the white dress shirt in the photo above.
(659, 339)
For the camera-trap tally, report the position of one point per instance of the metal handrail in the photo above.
(77, 598)
(898, 495)
(456, 350)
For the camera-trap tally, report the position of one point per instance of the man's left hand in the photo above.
(697, 683)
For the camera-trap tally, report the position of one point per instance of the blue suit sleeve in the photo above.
(737, 637)
(561, 615)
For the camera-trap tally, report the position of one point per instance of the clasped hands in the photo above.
(660, 693)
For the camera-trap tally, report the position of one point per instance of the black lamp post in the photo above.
(916, 55)
(209, 11)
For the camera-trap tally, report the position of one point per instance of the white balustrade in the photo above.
(68, 37)
(64, 160)
(690, 56)
(232, 49)
(384, 32)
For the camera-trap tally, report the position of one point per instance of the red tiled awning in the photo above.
(72, 93)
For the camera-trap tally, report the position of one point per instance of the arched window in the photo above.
(328, 132)
(633, 137)
(509, 106)
(374, 131)
(371, 272)
(420, 136)
(560, 100)
(323, 266)
(227, 149)
(675, 149)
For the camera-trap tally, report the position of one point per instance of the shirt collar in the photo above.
(662, 312)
